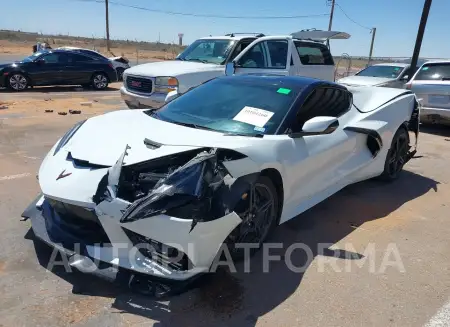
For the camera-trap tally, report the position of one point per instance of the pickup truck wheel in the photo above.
(99, 81)
(17, 82)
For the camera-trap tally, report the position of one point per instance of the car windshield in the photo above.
(32, 57)
(244, 106)
(207, 51)
(436, 72)
(381, 71)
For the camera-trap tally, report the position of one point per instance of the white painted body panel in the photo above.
(312, 168)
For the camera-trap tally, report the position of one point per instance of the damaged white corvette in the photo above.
(152, 195)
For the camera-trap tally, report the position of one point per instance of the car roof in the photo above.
(298, 82)
(397, 64)
(437, 62)
(229, 37)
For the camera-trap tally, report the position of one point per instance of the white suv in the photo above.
(302, 53)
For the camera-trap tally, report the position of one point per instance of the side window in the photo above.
(241, 46)
(313, 53)
(79, 58)
(266, 54)
(324, 101)
(55, 58)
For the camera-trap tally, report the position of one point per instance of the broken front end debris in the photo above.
(175, 211)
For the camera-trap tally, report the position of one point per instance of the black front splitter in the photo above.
(79, 259)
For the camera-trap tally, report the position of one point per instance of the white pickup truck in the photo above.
(302, 53)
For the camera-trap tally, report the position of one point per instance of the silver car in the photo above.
(393, 75)
(431, 84)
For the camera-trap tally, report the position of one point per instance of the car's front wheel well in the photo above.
(277, 181)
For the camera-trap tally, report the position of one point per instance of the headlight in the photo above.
(165, 84)
(68, 136)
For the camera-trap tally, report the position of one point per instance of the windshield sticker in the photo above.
(253, 116)
(282, 90)
(425, 68)
(259, 129)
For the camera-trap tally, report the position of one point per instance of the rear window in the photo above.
(313, 54)
(434, 72)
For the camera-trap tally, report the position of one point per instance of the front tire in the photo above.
(259, 214)
(99, 81)
(17, 82)
(396, 156)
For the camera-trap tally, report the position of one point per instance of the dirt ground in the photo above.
(345, 285)
(24, 48)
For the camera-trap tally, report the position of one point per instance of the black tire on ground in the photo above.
(120, 71)
(17, 82)
(264, 215)
(396, 156)
(99, 81)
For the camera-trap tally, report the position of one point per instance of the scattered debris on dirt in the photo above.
(48, 99)
(75, 112)
(48, 110)
(88, 104)
(63, 113)
(3, 107)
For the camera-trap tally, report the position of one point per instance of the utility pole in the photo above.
(420, 32)
(331, 21)
(107, 26)
(373, 31)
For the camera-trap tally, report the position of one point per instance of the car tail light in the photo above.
(408, 86)
(110, 65)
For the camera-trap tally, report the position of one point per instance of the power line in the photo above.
(203, 15)
(367, 28)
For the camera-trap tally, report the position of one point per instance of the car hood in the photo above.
(364, 80)
(170, 68)
(101, 140)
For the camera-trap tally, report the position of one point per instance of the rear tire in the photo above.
(258, 220)
(396, 156)
(99, 81)
(17, 82)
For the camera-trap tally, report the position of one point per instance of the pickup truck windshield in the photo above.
(237, 105)
(214, 51)
(381, 71)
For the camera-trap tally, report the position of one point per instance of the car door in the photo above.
(320, 165)
(266, 55)
(79, 69)
(46, 69)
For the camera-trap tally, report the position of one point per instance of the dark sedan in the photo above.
(58, 67)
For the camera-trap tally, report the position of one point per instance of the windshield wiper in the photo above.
(194, 126)
(243, 134)
(196, 59)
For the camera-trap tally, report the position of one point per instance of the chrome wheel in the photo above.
(100, 81)
(397, 155)
(18, 82)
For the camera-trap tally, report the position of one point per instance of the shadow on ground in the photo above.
(440, 130)
(239, 299)
(59, 89)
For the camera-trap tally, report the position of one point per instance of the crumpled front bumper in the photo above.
(119, 261)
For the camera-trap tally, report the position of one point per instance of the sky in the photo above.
(396, 21)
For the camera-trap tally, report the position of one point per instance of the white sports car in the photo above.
(225, 163)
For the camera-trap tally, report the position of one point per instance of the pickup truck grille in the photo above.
(139, 84)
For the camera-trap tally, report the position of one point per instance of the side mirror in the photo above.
(171, 95)
(229, 68)
(404, 78)
(318, 126)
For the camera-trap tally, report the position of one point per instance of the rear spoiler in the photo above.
(320, 36)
